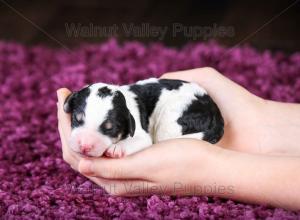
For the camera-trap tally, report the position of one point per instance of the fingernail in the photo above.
(85, 167)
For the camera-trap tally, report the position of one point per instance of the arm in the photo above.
(262, 179)
(191, 167)
(281, 127)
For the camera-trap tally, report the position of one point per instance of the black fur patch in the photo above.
(170, 84)
(104, 92)
(76, 103)
(122, 121)
(203, 115)
(148, 95)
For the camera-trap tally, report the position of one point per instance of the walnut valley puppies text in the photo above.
(146, 30)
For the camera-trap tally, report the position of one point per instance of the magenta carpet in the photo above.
(35, 182)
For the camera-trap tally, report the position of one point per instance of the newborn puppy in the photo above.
(121, 120)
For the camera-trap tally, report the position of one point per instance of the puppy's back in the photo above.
(175, 108)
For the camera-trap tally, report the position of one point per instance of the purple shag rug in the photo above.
(35, 182)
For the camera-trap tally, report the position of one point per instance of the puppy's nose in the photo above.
(85, 148)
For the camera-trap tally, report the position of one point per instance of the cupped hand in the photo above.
(64, 128)
(242, 111)
(172, 167)
(187, 166)
(169, 167)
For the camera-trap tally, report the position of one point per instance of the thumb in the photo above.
(110, 168)
(62, 94)
(64, 119)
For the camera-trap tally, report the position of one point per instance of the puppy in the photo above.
(121, 120)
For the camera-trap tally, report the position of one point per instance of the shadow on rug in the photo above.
(35, 182)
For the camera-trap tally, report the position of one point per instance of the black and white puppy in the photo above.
(121, 120)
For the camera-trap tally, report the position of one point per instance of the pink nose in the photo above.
(86, 148)
(88, 142)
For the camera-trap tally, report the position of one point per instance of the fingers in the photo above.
(64, 119)
(143, 165)
(210, 79)
(189, 75)
(64, 128)
(109, 168)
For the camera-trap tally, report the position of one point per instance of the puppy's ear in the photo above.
(68, 105)
(131, 124)
(120, 105)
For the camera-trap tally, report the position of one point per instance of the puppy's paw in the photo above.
(115, 151)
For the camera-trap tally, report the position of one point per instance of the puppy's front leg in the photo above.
(115, 150)
(128, 146)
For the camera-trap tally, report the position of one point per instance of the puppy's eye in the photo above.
(79, 117)
(107, 125)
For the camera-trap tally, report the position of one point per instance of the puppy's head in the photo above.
(99, 118)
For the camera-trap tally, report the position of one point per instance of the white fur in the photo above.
(171, 104)
(95, 112)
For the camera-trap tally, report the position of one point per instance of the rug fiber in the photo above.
(35, 182)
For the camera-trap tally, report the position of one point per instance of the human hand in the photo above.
(173, 167)
(242, 111)
(167, 167)
(193, 167)
(238, 107)
(187, 166)
(64, 128)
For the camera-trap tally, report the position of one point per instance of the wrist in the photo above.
(280, 133)
(221, 164)
(208, 174)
